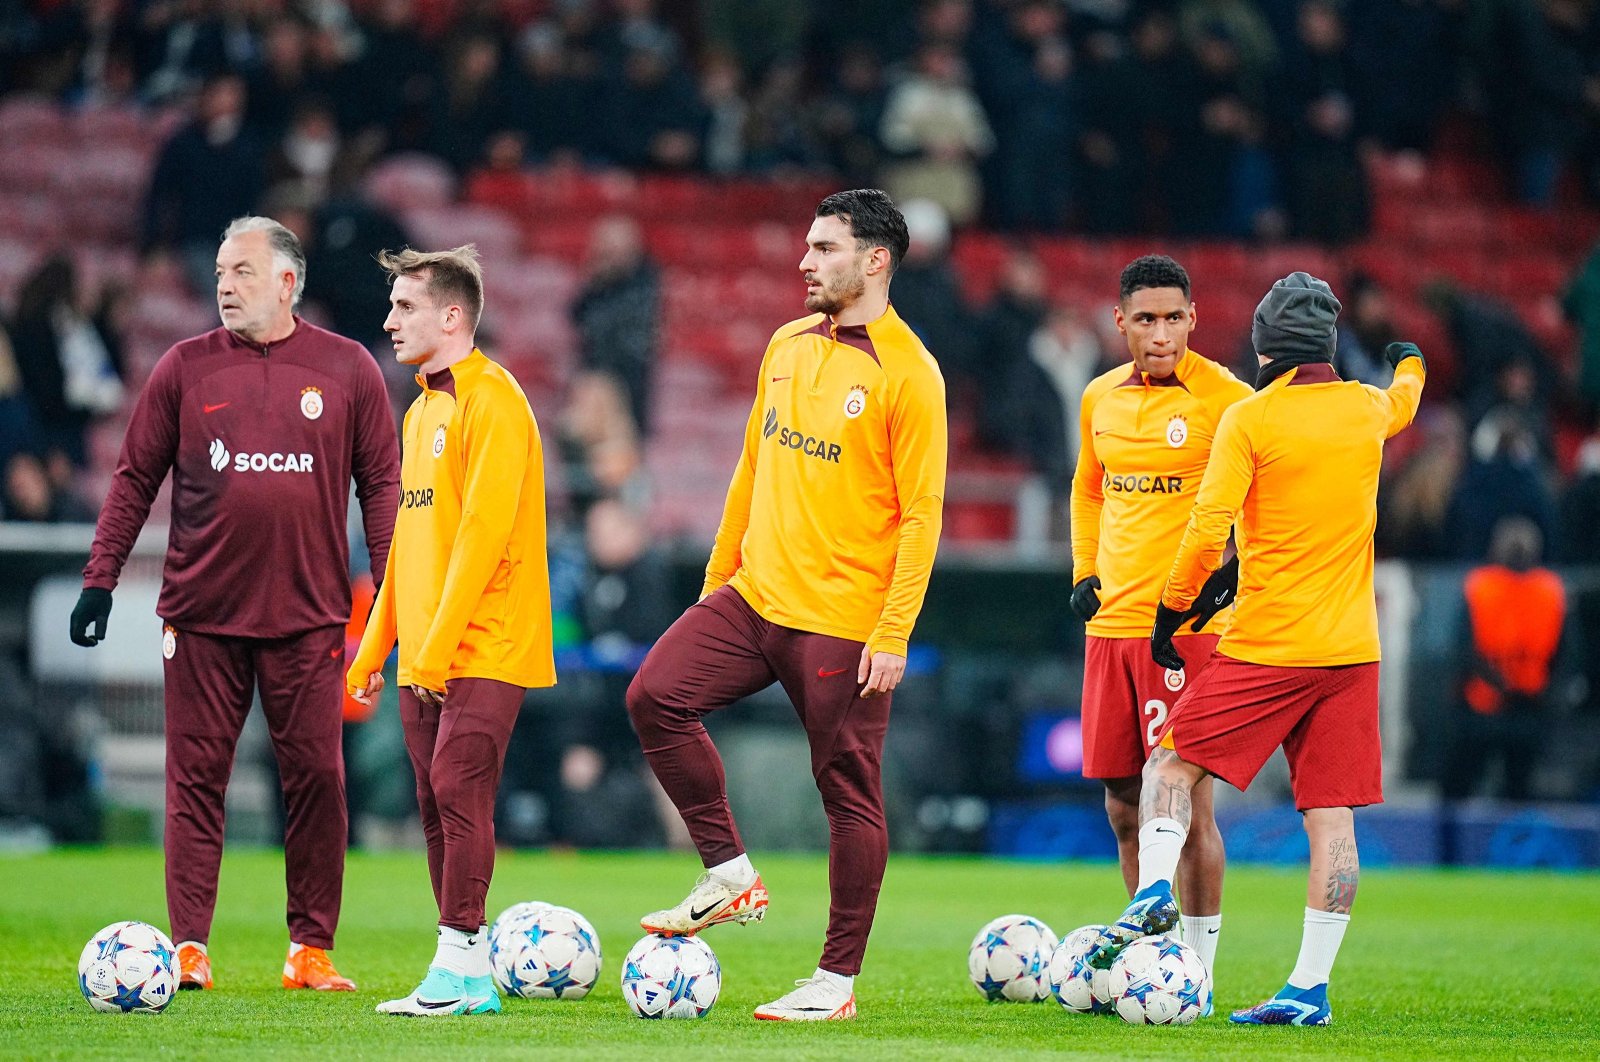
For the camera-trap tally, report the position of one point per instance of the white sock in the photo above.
(478, 954)
(1200, 932)
(1160, 845)
(844, 981)
(737, 869)
(454, 952)
(1319, 946)
(202, 947)
(295, 949)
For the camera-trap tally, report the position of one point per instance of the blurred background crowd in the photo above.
(639, 175)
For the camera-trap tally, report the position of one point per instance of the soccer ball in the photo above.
(516, 914)
(1010, 959)
(1159, 981)
(128, 967)
(552, 953)
(671, 977)
(1076, 985)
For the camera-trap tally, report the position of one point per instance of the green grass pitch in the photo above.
(1436, 964)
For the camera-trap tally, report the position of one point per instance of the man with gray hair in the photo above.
(263, 423)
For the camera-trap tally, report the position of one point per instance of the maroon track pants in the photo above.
(721, 650)
(457, 753)
(209, 682)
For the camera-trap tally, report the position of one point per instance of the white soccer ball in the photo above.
(553, 953)
(1076, 985)
(1010, 959)
(128, 967)
(1159, 981)
(515, 915)
(671, 977)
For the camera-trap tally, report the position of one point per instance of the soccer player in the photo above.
(467, 595)
(1146, 434)
(1296, 464)
(263, 423)
(817, 575)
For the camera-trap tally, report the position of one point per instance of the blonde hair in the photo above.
(454, 277)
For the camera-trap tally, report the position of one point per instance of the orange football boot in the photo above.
(311, 968)
(194, 967)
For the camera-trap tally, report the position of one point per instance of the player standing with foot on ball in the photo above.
(1296, 464)
(263, 423)
(468, 597)
(818, 573)
(1146, 434)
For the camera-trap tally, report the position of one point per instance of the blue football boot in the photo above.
(1153, 910)
(1291, 1006)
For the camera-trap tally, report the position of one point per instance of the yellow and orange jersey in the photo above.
(1144, 445)
(833, 516)
(467, 589)
(1294, 471)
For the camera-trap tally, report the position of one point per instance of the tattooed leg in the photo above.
(1168, 791)
(1335, 868)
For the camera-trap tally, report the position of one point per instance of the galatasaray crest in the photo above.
(1177, 431)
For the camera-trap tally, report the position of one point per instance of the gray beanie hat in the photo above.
(1296, 320)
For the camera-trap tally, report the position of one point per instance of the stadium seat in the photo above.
(403, 182)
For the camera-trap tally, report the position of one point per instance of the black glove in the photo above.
(1168, 620)
(1085, 602)
(94, 606)
(1216, 594)
(1398, 352)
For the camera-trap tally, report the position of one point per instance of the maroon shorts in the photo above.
(1236, 715)
(1127, 697)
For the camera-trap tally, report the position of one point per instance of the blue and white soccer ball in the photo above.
(671, 977)
(515, 915)
(128, 967)
(1010, 959)
(552, 953)
(1159, 981)
(1079, 987)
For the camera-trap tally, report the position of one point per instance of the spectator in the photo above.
(181, 42)
(598, 444)
(68, 370)
(1415, 500)
(1230, 185)
(1504, 477)
(1046, 391)
(934, 124)
(721, 93)
(618, 312)
(1404, 70)
(470, 108)
(1487, 335)
(1004, 333)
(1365, 328)
(284, 77)
(308, 150)
(847, 117)
(651, 113)
(1581, 302)
(776, 135)
(1325, 184)
(16, 418)
(385, 92)
(30, 497)
(209, 173)
(1580, 509)
(927, 292)
(551, 96)
(1515, 617)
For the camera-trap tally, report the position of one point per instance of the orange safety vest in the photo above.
(1516, 622)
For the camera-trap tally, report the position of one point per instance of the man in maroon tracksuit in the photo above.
(263, 422)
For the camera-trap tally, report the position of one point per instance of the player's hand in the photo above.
(1398, 352)
(368, 694)
(879, 672)
(1217, 593)
(434, 698)
(1168, 620)
(93, 607)
(1085, 602)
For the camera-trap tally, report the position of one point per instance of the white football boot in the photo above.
(712, 900)
(814, 999)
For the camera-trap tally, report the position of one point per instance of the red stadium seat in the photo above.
(405, 182)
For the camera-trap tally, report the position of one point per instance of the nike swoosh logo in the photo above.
(695, 916)
(780, 379)
(441, 1004)
(829, 674)
(1163, 829)
(219, 405)
(1213, 932)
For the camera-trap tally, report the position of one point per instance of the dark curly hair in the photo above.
(874, 221)
(1154, 271)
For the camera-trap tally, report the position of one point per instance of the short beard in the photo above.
(831, 301)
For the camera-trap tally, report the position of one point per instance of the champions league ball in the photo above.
(671, 977)
(128, 967)
(1159, 981)
(549, 953)
(1010, 959)
(515, 915)
(1076, 985)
